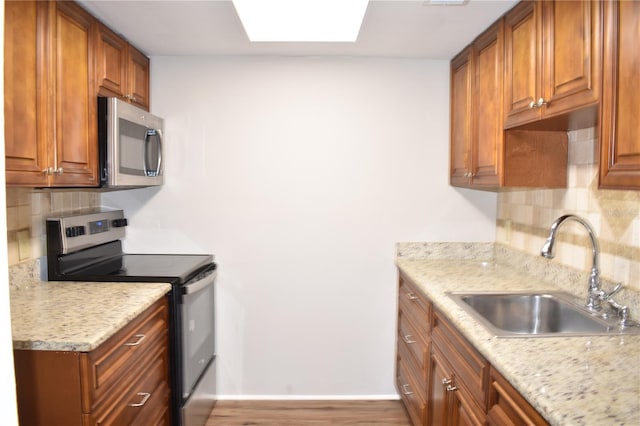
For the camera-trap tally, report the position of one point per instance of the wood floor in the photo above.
(299, 413)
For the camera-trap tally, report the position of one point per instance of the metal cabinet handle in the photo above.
(137, 342)
(405, 391)
(411, 296)
(407, 339)
(541, 102)
(446, 381)
(451, 388)
(145, 397)
(53, 171)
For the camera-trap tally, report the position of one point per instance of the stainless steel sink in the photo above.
(531, 314)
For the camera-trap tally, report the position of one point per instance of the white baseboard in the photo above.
(307, 397)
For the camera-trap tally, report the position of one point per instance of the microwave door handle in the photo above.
(159, 139)
(158, 133)
(146, 149)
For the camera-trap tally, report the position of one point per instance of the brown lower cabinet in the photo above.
(442, 379)
(125, 380)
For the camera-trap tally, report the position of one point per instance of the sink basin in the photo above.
(519, 314)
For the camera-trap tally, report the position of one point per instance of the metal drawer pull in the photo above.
(451, 388)
(405, 391)
(446, 381)
(407, 339)
(411, 296)
(137, 342)
(145, 397)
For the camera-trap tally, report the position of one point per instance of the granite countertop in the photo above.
(76, 316)
(569, 380)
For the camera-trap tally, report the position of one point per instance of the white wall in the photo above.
(300, 174)
(7, 375)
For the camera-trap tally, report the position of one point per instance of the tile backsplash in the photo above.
(27, 211)
(525, 217)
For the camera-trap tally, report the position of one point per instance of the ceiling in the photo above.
(391, 28)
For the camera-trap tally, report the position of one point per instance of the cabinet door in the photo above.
(138, 85)
(488, 103)
(572, 44)
(464, 412)
(75, 148)
(620, 109)
(122, 70)
(440, 377)
(461, 119)
(25, 93)
(523, 67)
(111, 63)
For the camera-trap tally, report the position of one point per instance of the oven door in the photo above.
(198, 335)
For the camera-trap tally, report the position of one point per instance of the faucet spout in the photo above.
(548, 251)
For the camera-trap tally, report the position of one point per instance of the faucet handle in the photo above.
(623, 313)
(596, 296)
(604, 296)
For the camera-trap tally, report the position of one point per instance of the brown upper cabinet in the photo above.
(483, 155)
(461, 120)
(620, 108)
(476, 111)
(25, 95)
(58, 58)
(553, 64)
(121, 70)
(50, 131)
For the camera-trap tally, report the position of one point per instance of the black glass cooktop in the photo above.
(146, 267)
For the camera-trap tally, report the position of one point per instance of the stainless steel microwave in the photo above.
(129, 145)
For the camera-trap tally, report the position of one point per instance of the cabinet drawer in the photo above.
(412, 370)
(507, 406)
(472, 370)
(414, 402)
(145, 402)
(412, 303)
(416, 344)
(119, 360)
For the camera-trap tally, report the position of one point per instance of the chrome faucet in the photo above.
(595, 294)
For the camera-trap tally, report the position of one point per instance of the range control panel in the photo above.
(80, 230)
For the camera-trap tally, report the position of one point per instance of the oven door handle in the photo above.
(201, 284)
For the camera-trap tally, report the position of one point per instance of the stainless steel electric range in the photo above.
(88, 247)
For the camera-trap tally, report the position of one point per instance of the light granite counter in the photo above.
(569, 380)
(75, 316)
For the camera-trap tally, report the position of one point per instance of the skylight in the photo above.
(301, 20)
